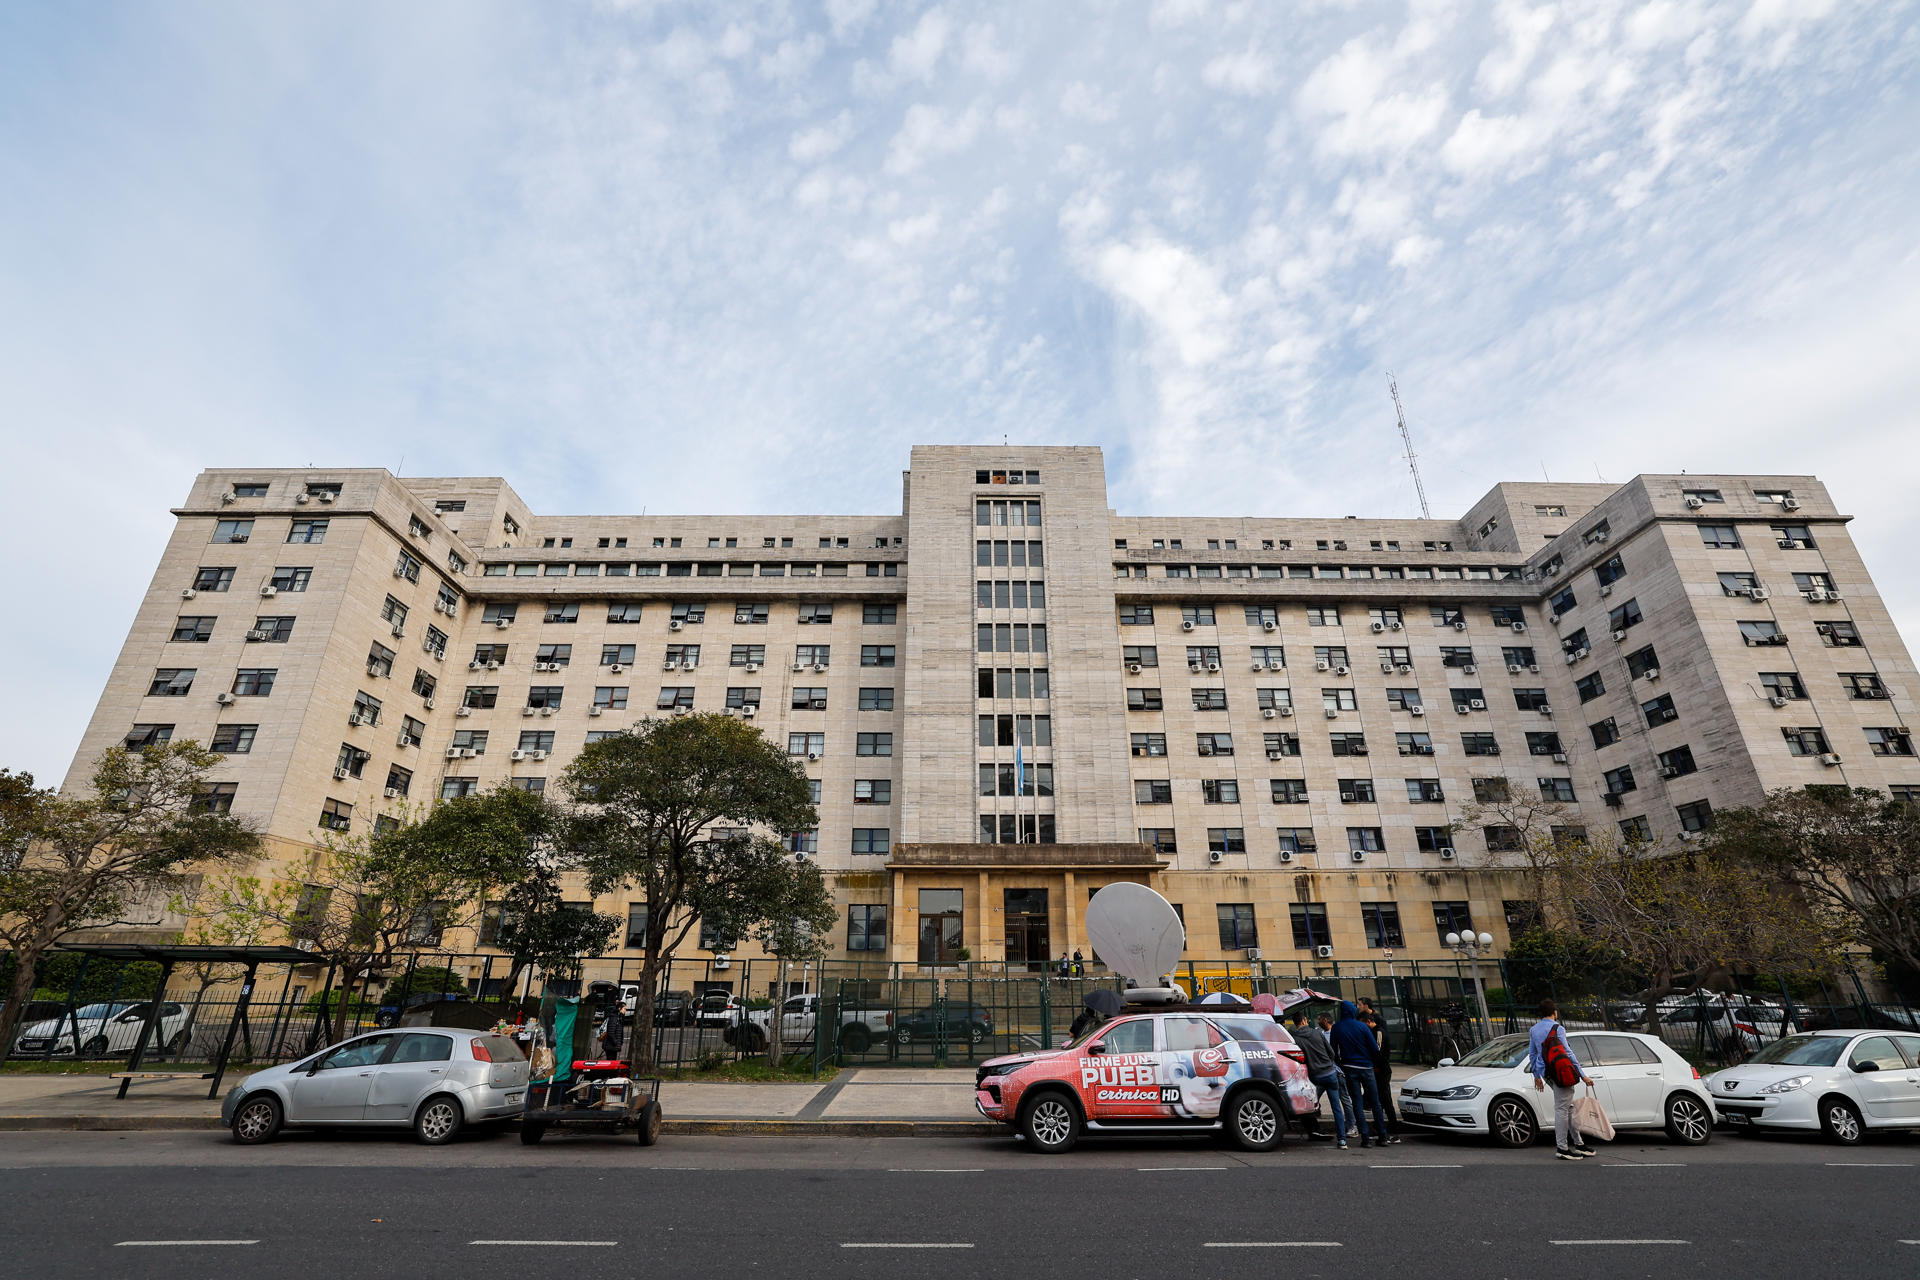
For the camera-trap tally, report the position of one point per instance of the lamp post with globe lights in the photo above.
(1472, 946)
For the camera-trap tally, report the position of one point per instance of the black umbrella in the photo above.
(1104, 1001)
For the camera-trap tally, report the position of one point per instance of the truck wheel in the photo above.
(856, 1039)
(1049, 1123)
(1253, 1121)
(650, 1121)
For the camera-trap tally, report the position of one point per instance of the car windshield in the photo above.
(98, 1010)
(1802, 1051)
(1507, 1051)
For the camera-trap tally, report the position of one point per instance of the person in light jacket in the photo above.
(1567, 1142)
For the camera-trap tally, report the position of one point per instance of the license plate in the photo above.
(515, 1097)
(1413, 1108)
(1739, 1117)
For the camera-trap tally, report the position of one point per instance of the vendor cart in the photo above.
(598, 1096)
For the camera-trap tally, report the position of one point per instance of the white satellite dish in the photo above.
(1139, 936)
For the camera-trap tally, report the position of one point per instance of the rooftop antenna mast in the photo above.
(1413, 462)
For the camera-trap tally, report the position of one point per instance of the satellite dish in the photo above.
(1136, 932)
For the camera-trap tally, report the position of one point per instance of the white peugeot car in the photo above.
(102, 1029)
(432, 1079)
(1840, 1082)
(1642, 1084)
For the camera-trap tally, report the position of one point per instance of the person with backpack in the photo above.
(1551, 1059)
(1353, 1049)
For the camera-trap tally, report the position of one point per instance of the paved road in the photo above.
(362, 1204)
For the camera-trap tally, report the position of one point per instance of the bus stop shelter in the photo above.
(169, 954)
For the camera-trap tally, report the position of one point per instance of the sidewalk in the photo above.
(856, 1103)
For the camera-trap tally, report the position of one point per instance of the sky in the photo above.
(739, 259)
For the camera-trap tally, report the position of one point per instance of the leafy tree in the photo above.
(669, 809)
(1519, 826)
(81, 862)
(1542, 958)
(1852, 855)
(796, 911)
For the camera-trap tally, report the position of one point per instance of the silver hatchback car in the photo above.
(431, 1079)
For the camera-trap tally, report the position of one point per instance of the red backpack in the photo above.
(1560, 1068)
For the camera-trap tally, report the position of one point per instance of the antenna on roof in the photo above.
(1406, 437)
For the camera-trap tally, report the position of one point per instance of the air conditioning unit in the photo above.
(1668, 771)
(1559, 757)
(1476, 704)
(1830, 759)
(453, 753)
(616, 668)
(1323, 952)
(819, 666)
(1534, 667)
(749, 711)
(188, 593)
(259, 635)
(1545, 708)
(399, 572)
(1790, 503)
(676, 625)
(671, 664)
(223, 697)
(493, 664)
(1689, 835)
(1395, 626)
(516, 755)
(1459, 626)
(1284, 711)
(1447, 854)
(1342, 670)
(326, 495)
(1133, 668)
(340, 772)
(1416, 710)
(303, 498)
(1611, 799)
(269, 591)
(1519, 627)
(1462, 707)
(596, 710)
(1779, 637)
(753, 666)
(1322, 665)
(1651, 673)
(1186, 626)
(1214, 666)
(1377, 627)
(1386, 668)
(1514, 668)
(1269, 626)
(1268, 713)
(1406, 668)
(819, 704)
(1357, 749)
(399, 632)
(1758, 592)
(463, 711)
(526, 711)
(1694, 504)
(1814, 593)
(470, 753)
(1599, 535)
(1470, 668)
(503, 623)
(391, 793)
(547, 711)
(1333, 713)
(813, 755)
(355, 718)
(229, 496)
(1195, 667)
(1204, 749)
(407, 740)
(1618, 636)
(1777, 701)
(1254, 953)
(546, 666)
(373, 669)
(1274, 754)
(427, 703)
(1554, 618)
(1286, 855)
(1214, 855)
(476, 665)
(1606, 590)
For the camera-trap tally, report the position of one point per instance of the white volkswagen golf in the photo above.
(1842, 1083)
(1641, 1082)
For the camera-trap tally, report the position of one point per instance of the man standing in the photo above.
(1382, 1071)
(1551, 1060)
(1324, 1071)
(1353, 1049)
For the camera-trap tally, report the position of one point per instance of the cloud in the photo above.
(1247, 73)
(929, 131)
(1353, 94)
(917, 53)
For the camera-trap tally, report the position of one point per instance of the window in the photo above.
(1273, 699)
(232, 530)
(872, 839)
(560, 655)
(688, 613)
(407, 566)
(1136, 615)
(756, 614)
(1621, 618)
(1530, 699)
(806, 744)
(1643, 662)
(215, 797)
(1148, 744)
(812, 655)
(1464, 698)
(610, 697)
(1619, 781)
(1213, 744)
(873, 744)
(1264, 616)
(1544, 744)
(1720, 536)
(881, 655)
(1381, 921)
(1219, 791)
(1397, 656)
(1905, 793)
(1794, 537)
(212, 579)
(1697, 816)
(867, 927)
(193, 630)
(1432, 839)
(308, 531)
(1348, 744)
(1140, 655)
(1589, 687)
(876, 699)
(481, 697)
(1297, 840)
(1610, 571)
(253, 682)
(379, 657)
(1605, 732)
(620, 655)
(1425, 791)
(336, 816)
(1323, 617)
(1225, 840)
(1503, 839)
(1479, 744)
(1211, 699)
(1366, 840)
(1161, 838)
(942, 926)
(1414, 744)
(562, 613)
(1784, 684)
(1289, 790)
(1451, 917)
(878, 614)
(623, 611)
(1356, 791)
(873, 791)
(1152, 791)
(740, 696)
(229, 739)
(1237, 928)
(366, 707)
(1338, 700)
(1677, 763)
(1659, 711)
(1563, 600)
(1889, 741)
(152, 735)
(1200, 615)
(1144, 700)
(291, 578)
(671, 698)
(495, 614)
(1309, 921)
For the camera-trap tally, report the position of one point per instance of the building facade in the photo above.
(1307, 733)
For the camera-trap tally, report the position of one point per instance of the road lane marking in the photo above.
(1577, 1242)
(1651, 1164)
(1862, 1164)
(900, 1245)
(173, 1244)
(1416, 1166)
(590, 1244)
(1271, 1244)
(936, 1171)
(1183, 1168)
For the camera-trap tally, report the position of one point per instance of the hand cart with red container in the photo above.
(599, 1096)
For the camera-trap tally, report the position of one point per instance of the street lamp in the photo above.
(1472, 946)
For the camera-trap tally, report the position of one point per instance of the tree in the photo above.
(1520, 825)
(669, 809)
(80, 862)
(796, 913)
(1852, 854)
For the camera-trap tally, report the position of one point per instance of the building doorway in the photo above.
(941, 925)
(1028, 940)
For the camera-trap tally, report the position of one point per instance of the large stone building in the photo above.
(1009, 695)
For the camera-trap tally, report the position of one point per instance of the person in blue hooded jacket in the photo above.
(1353, 1049)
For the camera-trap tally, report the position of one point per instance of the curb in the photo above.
(707, 1128)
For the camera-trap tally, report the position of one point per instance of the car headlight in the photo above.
(1789, 1085)
(1459, 1092)
(1000, 1069)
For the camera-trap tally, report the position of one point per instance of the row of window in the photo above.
(304, 531)
(1333, 572)
(1286, 544)
(684, 568)
(687, 613)
(1351, 790)
(1332, 657)
(1280, 700)
(1379, 921)
(1279, 745)
(1383, 617)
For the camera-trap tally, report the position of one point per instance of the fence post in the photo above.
(1046, 1017)
(68, 1019)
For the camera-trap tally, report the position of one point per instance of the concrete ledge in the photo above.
(725, 1127)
